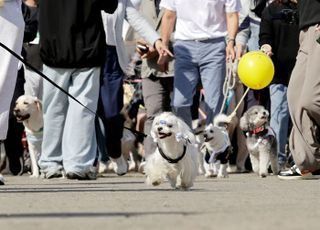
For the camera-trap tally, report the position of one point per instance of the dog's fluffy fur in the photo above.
(172, 135)
(28, 110)
(261, 141)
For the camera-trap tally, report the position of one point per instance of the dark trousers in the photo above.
(110, 105)
(13, 143)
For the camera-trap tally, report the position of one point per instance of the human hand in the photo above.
(267, 49)
(230, 52)
(145, 51)
(239, 51)
(164, 54)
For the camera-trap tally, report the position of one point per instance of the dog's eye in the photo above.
(256, 112)
(169, 126)
(211, 131)
(25, 103)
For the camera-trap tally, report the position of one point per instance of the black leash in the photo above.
(57, 86)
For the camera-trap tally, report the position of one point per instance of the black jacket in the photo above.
(71, 32)
(309, 13)
(279, 28)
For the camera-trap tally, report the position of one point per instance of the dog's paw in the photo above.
(34, 175)
(156, 182)
(223, 175)
(263, 175)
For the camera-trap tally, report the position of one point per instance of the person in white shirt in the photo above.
(200, 49)
(11, 35)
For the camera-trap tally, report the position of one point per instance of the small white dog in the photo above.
(261, 140)
(216, 150)
(175, 157)
(28, 110)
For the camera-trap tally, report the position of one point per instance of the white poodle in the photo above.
(175, 157)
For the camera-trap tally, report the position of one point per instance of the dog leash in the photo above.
(136, 132)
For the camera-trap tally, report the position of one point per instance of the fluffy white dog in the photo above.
(28, 110)
(261, 140)
(175, 157)
(216, 150)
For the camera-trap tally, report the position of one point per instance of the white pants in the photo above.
(11, 35)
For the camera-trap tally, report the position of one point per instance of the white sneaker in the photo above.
(120, 165)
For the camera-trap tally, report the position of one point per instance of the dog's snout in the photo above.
(16, 110)
(160, 129)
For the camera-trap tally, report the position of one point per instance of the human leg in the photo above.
(279, 119)
(303, 100)
(79, 146)
(34, 84)
(212, 67)
(186, 78)
(55, 104)
(111, 97)
(156, 96)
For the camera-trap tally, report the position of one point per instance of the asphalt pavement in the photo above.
(242, 201)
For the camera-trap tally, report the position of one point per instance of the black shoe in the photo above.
(294, 174)
(1, 180)
(79, 176)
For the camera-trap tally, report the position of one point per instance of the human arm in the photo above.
(266, 34)
(151, 39)
(167, 27)
(232, 26)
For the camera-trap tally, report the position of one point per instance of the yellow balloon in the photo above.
(256, 70)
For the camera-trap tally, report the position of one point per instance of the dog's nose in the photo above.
(264, 113)
(159, 129)
(16, 110)
(205, 135)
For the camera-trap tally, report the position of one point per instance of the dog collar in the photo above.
(170, 160)
(260, 131)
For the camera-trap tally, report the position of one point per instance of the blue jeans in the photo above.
(197, 60)
(69, 139)
(279, 118)
(111, 104)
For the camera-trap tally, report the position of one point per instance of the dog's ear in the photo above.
(152, 131)
(185, 132)
(38, 103)
(244, 123)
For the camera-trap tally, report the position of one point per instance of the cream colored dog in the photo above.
(175, 157)
(28, 110)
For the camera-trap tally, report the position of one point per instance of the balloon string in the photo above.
(239, 103)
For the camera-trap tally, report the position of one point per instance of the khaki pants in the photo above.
(304, 103)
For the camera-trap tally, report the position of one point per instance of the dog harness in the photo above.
(261, 133)
(170, 160)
